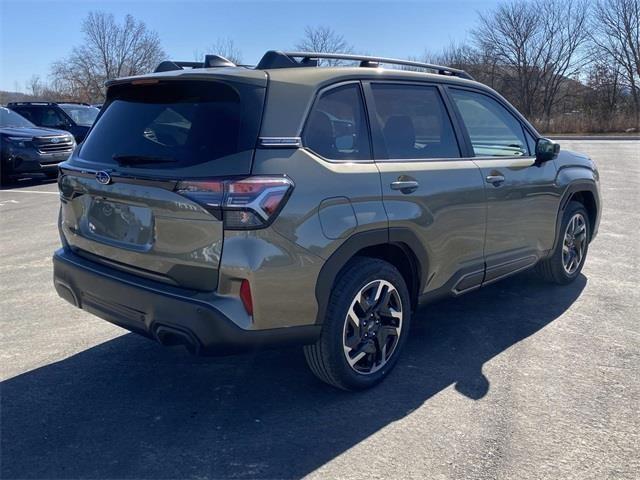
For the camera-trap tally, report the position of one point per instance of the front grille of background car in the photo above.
(45, 145)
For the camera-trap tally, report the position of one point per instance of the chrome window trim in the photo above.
(280, 142)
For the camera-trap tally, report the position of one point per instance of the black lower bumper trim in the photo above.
(159, 313)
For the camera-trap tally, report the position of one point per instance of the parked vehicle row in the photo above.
(75, 118)
(36, 136)
(227, 208)
(27, 149)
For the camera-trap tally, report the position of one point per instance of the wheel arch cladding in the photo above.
(588, 200)
(398, 246)
(586, 193)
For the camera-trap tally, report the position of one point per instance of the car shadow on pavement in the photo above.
(129, 408)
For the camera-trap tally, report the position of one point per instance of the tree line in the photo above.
(567, 65)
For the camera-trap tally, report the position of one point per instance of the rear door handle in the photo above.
(496, 180)
(405, 186)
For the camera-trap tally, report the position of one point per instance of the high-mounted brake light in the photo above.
(243, 204)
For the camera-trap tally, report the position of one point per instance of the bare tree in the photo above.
(225, 47)
(35, 86)
(109, 50)
(508, 34)
(461, 55)
(325, 40)
(38, 90)
(616, 32)
(537, 56)
(565, 33)
(604, 97)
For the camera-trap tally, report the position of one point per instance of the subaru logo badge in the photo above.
(55, 140)
(103, 177)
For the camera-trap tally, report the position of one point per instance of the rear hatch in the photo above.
(122, 200)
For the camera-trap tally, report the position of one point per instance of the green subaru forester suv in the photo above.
(227, 208)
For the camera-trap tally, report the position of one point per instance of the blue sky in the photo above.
(34, 33)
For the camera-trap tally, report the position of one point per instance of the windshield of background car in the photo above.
(186, 122)
(10, 118)
(81, 114)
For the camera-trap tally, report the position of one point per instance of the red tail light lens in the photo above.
(243, 204)
(245, 296)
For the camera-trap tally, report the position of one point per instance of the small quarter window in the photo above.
(336, 128)
(493, 130)
(531, 142)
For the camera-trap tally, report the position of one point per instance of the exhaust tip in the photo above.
(171, 337)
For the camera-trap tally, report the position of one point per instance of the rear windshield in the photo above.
(81, 114)
(177, 124)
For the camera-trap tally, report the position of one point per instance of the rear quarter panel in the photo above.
(283, 261)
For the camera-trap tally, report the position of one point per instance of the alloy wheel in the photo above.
(372, 327)
(574, 243)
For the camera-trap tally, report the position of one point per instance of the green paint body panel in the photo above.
(468, 231)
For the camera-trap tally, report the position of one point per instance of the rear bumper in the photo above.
(162, 313)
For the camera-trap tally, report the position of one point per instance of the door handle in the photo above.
(495, 179)
(405, 186)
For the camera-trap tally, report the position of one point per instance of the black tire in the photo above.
(327, 358)
(4, 177)
(552, 269)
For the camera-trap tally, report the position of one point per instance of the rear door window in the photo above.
(337, 128)
(50, 117)
(178, 124)
(414, 122)
(493, 130)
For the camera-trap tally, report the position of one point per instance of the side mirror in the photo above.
(546, 150)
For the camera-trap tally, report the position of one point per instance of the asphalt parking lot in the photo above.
(519, 380)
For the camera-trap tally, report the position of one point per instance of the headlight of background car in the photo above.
(19, 141)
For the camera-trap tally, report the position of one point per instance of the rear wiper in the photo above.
(124, 159)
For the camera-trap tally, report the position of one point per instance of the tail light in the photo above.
(242, 204)
(245, 296)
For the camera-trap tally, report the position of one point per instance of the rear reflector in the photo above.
(245, 296)
(243, 204)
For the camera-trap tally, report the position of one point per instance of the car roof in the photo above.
(296, 87)
(317, 76)
(312, 76)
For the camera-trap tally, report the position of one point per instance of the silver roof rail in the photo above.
(276, 59)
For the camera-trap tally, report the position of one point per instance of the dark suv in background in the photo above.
(226, 208)
(27, 149)
(75, 118)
